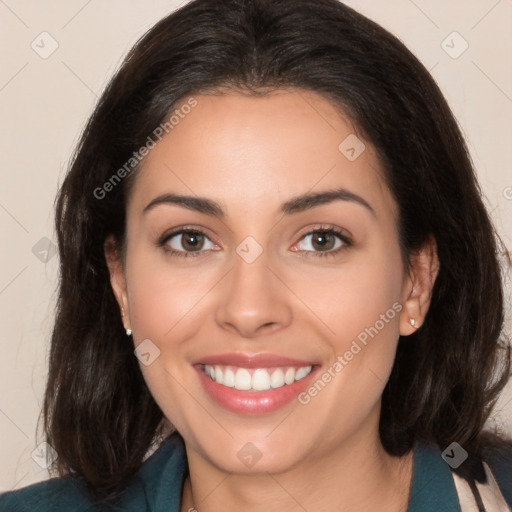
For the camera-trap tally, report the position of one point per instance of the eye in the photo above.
(326, 241)
(187, 241)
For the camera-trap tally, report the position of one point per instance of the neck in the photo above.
(357, 476)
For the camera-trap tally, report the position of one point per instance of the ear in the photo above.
(418, 285)
(117, 278)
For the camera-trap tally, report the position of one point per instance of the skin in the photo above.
(252, 154)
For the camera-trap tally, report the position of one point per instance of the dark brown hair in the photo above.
(99, 414)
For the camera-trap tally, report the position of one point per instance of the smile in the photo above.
(255, 379)
(254, 384)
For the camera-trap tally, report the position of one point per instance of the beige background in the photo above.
(44, 103)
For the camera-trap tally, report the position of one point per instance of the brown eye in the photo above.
(192, 241)
(321, 241)
(189, 241)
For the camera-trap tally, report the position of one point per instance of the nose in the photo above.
(253, 300)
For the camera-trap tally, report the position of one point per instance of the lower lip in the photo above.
(253, 403)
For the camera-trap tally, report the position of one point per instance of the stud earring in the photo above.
(414, 323)
(128, 331)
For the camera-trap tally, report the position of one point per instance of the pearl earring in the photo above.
(414, 323)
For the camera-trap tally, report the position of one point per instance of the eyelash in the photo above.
(328, 230)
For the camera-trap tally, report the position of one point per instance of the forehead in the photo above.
(242, 150)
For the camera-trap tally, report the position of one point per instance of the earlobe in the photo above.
(418, 286)
(117, 279)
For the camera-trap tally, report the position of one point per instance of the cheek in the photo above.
(358, 296)
(165, 305)
(359, 305)
(162, 294)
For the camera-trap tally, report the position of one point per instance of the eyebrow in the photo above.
(294, 205)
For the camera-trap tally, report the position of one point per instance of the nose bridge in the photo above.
(253, 300)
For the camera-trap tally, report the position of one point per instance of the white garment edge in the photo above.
(490, 493)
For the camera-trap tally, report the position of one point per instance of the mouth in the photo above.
(259, 379)
(254, 384)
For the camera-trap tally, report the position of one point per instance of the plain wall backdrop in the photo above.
(57, 56)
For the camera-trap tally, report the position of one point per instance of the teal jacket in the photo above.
(157, 487)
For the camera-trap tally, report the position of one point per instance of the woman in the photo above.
(273, 245)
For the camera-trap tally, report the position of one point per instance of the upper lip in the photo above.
(252, 360)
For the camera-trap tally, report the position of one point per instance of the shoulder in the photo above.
(432, 484)
(158, 481)
(442, 479)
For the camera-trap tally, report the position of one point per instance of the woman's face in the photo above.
(262, 248)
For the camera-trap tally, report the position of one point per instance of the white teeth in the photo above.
(302, 372)
(261, 379)
(242, 379)
(289, 376)
(229, 378)
(209, 371)
(277, 379)
(219, 375)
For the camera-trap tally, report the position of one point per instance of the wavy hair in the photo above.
(98, 413)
